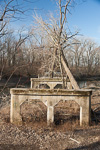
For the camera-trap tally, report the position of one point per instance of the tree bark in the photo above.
(69, 74)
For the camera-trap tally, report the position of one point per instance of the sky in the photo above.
(85, 16)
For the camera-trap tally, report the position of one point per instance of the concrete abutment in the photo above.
(50, 98)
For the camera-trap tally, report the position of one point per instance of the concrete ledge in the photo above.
(44, 79)
(51, 92)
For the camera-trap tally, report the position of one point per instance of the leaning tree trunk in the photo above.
(53, 63)
(69, 74)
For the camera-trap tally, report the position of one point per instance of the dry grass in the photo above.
(35, 115)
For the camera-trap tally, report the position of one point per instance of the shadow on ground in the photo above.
(93, 146)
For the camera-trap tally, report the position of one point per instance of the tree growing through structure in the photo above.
(60, 37)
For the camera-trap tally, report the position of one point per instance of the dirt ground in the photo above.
(34, 134)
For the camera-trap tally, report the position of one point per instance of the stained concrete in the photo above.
(50, 97)
(51, 82)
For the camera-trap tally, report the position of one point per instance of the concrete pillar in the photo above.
(85, 111)
(15, 116)
(50, 115)
(69, 85)
(34, 84)
(31, 84)
(51, 85)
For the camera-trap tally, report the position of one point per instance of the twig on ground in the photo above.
(96, 108)
(75, 140)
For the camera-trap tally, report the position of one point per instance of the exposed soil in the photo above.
(34, 134)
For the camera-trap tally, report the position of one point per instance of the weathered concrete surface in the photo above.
(51, 82)
(50, 98)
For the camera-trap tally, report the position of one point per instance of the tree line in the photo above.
(43, 49)
(32, 59)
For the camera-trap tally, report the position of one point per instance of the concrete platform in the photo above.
(50, 98)
(51, 82)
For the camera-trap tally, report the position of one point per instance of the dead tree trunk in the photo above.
(69, 74)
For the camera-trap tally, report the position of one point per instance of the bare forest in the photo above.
(31, 53)
(46, 48)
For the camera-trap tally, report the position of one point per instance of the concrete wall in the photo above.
(50, 98)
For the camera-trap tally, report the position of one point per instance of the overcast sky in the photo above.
(84, 16)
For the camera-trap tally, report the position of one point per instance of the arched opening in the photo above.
(58, 86)
(44, 86)
(34, 113)
(67, 115)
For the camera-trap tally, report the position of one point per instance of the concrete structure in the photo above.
(51, 82)
(50, 98)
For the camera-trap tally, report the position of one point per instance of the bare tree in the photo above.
(59, 37)
(12, 10)
(84, 57)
